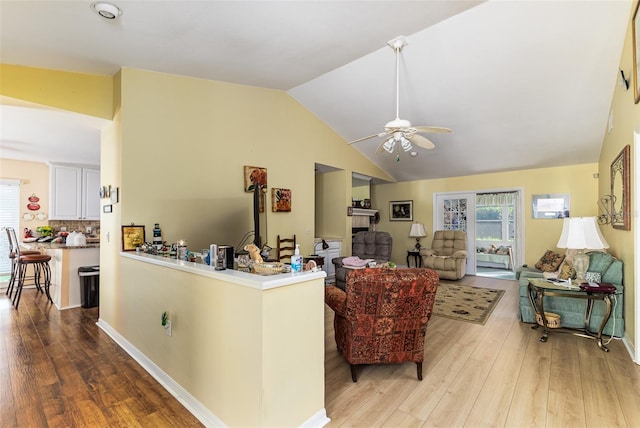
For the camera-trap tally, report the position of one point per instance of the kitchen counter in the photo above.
(51, 246)
(64, 264)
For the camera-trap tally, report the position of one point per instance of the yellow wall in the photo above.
(35, 181)
(539, 234)
(626, 120)
(81, 93)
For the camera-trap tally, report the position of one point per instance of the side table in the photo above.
(417, 260)
(539, 288)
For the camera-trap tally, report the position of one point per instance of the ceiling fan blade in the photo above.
(420, 141)
(382, 134)
(380, 148)
(432, 129)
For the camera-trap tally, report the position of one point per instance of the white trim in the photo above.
(635, 355)
(10, 182)
(319, 420)
(195, 407)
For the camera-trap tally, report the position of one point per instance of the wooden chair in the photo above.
(285, 248)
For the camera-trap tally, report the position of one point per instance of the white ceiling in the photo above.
(523, 84)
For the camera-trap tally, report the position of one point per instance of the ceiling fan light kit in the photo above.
(399, 133)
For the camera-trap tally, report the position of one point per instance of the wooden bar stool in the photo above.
(40, 263)
(14, 254)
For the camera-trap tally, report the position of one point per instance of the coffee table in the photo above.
(539, 288)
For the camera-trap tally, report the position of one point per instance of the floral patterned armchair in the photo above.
(382, 315)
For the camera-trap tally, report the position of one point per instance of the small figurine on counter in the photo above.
(28, 233)
(254, 253)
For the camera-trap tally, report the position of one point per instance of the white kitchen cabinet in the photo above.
(74, 192)
(329, 254)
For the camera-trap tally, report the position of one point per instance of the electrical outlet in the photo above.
(88, 230)
(167, 328)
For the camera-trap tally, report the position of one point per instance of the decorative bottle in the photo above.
(296, 260)
(157, 236)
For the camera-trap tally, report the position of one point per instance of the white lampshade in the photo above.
(581, 233)
(417, 231)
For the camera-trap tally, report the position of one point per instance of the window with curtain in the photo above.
(495, 217)
(9, 217)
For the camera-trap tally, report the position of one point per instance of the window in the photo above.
(495, 217)
(9, 217)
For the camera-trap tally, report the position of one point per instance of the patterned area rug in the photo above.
(465, 303)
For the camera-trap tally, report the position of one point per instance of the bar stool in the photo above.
(14, 254)
(40, 263)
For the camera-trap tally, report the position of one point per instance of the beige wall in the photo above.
(626, 120)
(35, 181)
(539, 234)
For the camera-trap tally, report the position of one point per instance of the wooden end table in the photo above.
(539, 288)
(417, 260)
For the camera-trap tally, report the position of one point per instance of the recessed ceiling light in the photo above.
(106, 10)
(414, 154)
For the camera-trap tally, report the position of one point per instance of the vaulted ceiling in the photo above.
(522, 84)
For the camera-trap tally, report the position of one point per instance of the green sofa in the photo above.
(572, 311)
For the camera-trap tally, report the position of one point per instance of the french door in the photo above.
(457, 211)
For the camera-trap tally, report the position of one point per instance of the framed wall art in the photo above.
(280, 200)
(401, 210)
(255, 175)
(132, 237)
(620, 190)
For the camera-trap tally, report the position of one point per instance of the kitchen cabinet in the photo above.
(329, 254)
(74, 192)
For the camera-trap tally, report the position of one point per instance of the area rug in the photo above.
(465, 302)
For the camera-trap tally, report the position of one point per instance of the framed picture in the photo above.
(254, 175)
(132, 237)
(401, 211)
(114, 195)
(107, 209)
(620, 190)
(635, 29)
(557, 205)
(280, 200)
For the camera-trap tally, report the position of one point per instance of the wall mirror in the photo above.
(550, 205)
(620, 185)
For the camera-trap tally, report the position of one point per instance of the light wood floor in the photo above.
(492, 375)
(58, 369)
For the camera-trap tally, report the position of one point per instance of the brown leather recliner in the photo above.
(382, 315)
(448, 254)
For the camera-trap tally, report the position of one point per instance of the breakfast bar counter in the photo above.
(236, 348)
(64, 264)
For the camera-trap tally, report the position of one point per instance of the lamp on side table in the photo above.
(417, 231)
(581, 233)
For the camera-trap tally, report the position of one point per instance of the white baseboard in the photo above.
(187, 400)
(630, 348)
(318, 420)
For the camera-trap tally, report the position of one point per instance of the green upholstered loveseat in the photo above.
(572, 311)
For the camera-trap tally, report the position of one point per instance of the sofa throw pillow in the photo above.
(566, 270)
(592, 277)
(550, 261)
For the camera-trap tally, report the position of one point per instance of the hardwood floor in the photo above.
(58, 369)
(492, 375)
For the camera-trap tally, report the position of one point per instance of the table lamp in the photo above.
(417, 231)
(581, 233)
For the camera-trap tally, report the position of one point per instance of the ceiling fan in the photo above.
(399, 133)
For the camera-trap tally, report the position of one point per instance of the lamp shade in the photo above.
(581, 233)
(417, 231)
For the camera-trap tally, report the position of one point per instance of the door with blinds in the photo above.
(456, 211)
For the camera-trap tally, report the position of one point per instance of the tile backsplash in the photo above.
(76, 225)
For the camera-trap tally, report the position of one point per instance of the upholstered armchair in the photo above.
(381, 316)
(365, 245)
(448, 254)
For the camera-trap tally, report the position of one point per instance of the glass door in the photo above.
(456, 211)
